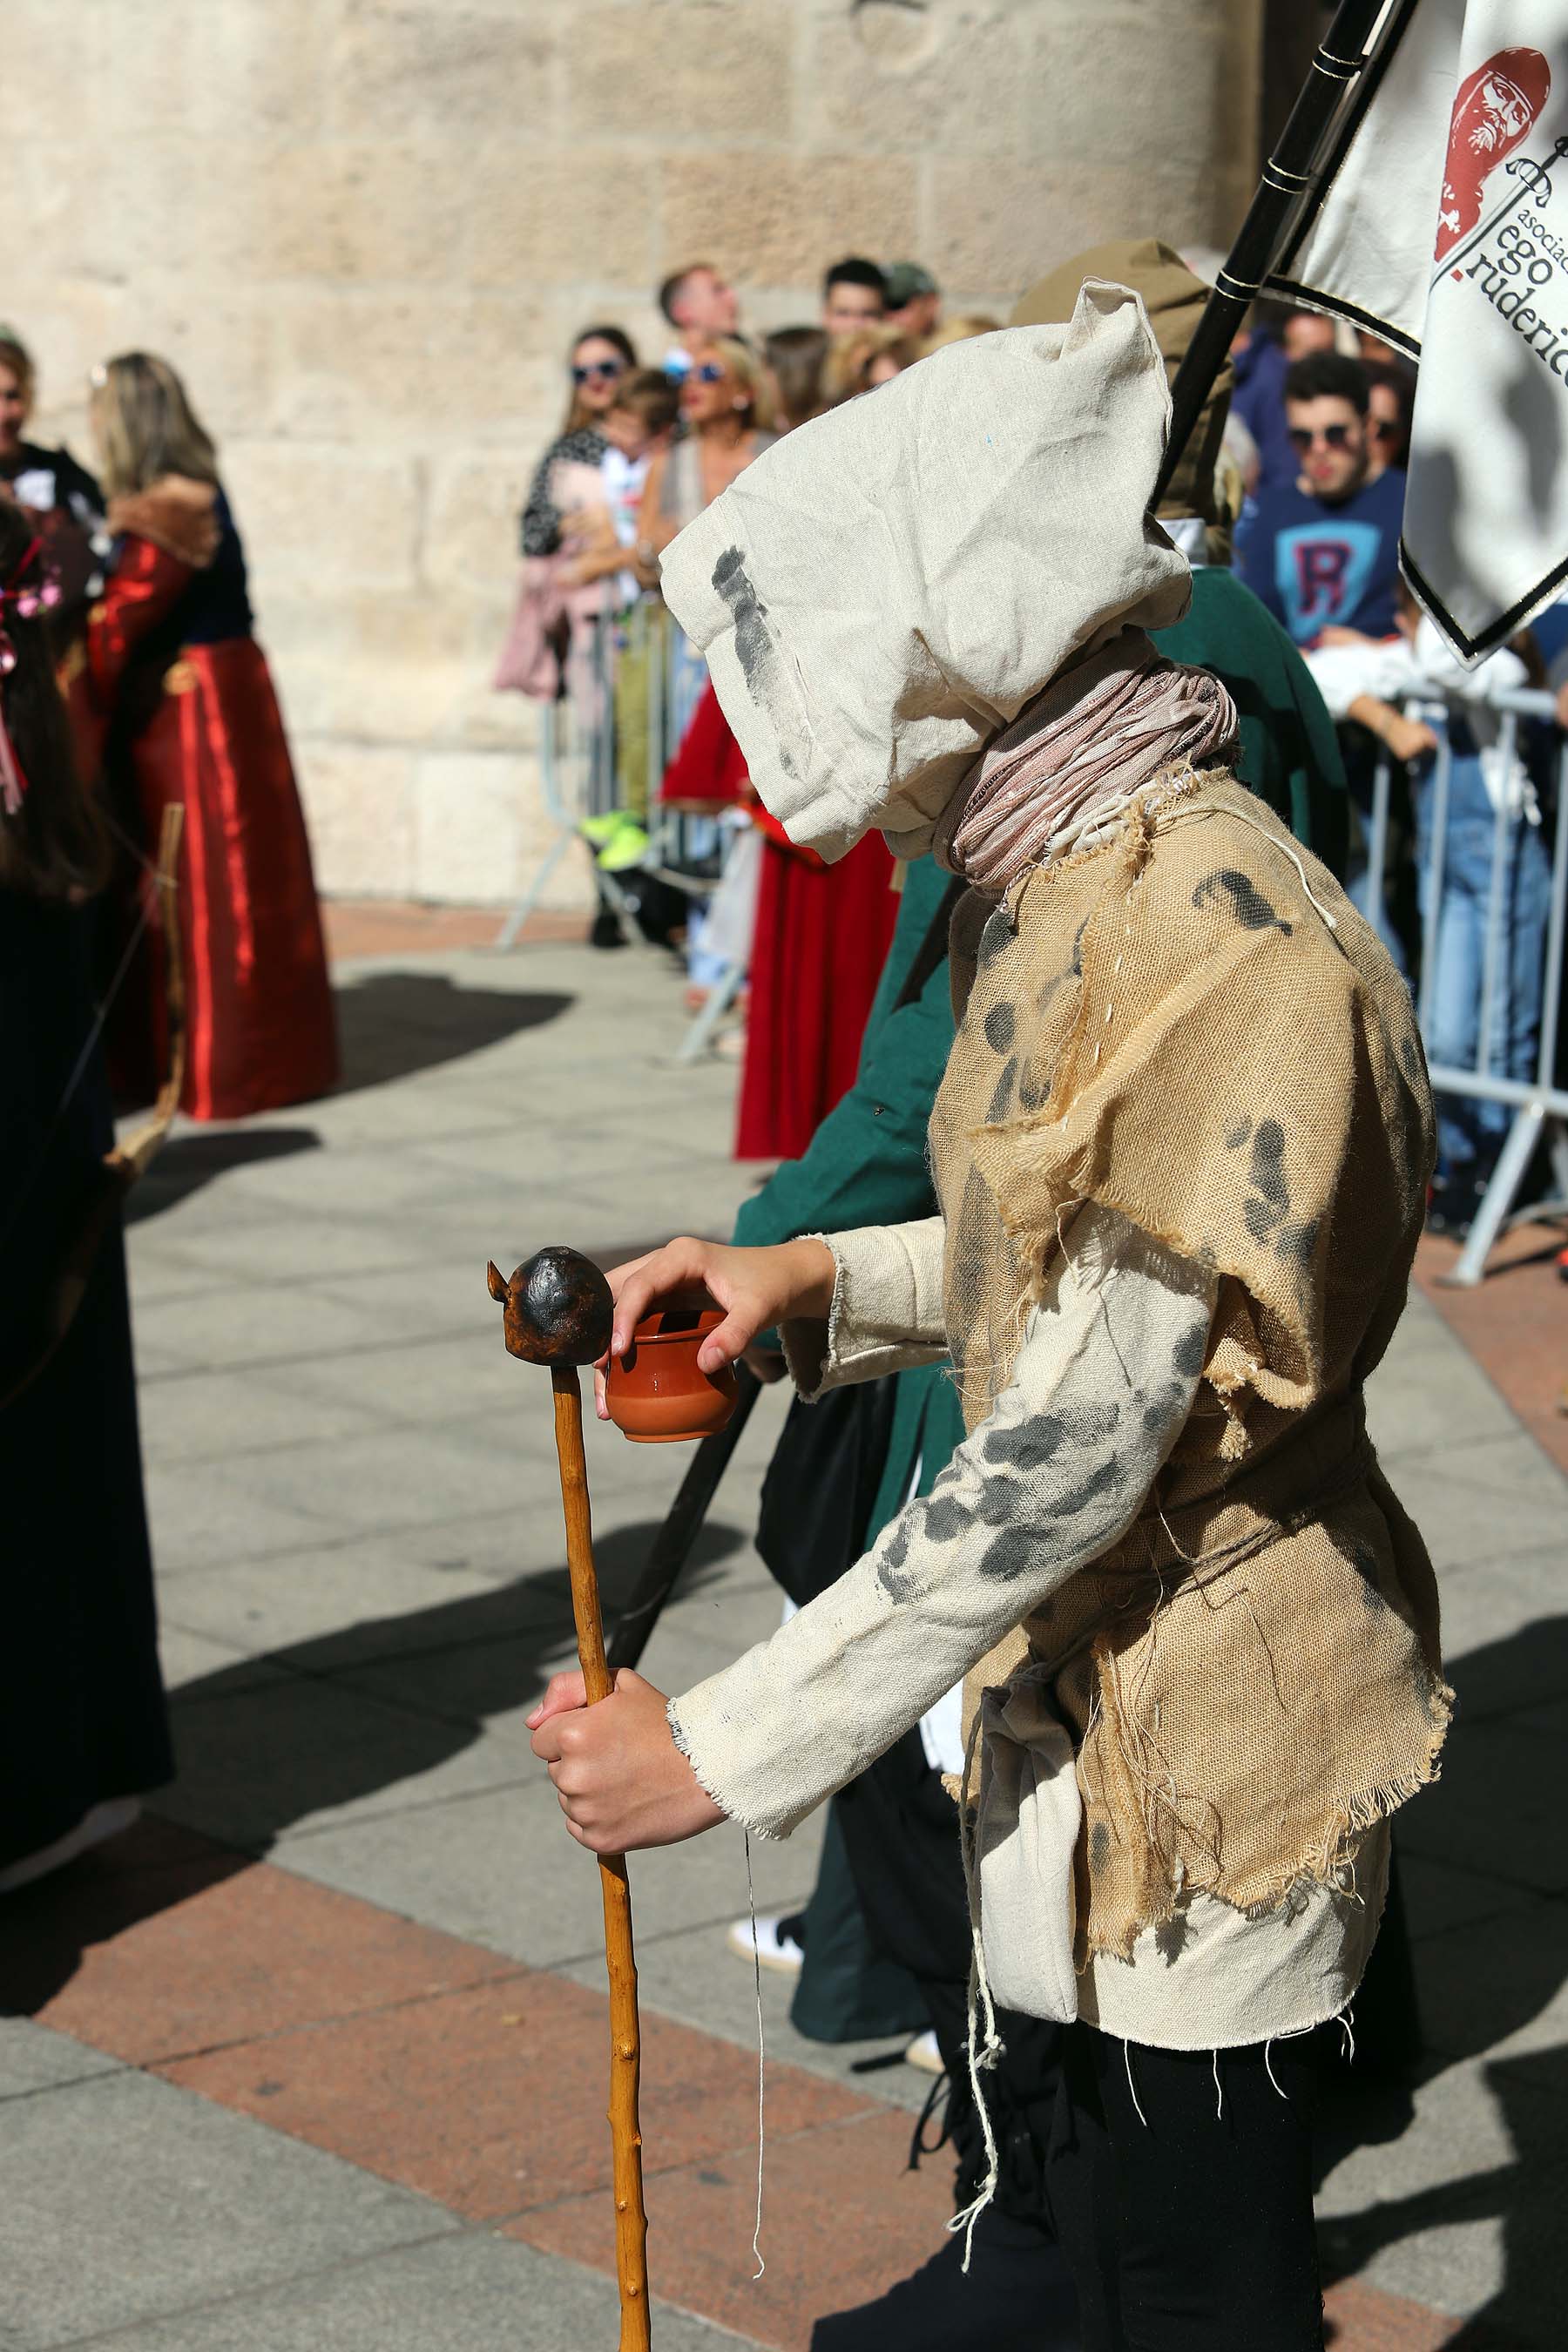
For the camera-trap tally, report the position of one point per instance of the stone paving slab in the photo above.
(123, 2199)
(36, 2058)
(466, 2291)
(360, 1558)
(490, 1861)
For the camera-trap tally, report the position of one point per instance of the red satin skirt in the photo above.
(821, 940)
(259, 1021)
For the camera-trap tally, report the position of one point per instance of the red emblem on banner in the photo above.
(1496, 108)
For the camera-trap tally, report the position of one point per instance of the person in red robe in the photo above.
(818, 947)
(817, 952)
(175, 700)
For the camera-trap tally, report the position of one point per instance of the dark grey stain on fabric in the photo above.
(1010, 1556)
(1099, 1845)
(1364, 1560)
(1269, 1204)
(1247, 903)
(995, 940)
(1000, 1023)
(756, 648)
(1172, 1394)
(1028, 1447)
(890, 1568)
(1099, 1481)
(1002, 1093)
(1190, 1354)
(1235, 1137)
(946, 1518)
(1299, 1244)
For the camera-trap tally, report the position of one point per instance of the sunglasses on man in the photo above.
(1333, 436)
(606, 370)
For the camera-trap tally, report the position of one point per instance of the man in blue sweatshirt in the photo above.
(1323, 551)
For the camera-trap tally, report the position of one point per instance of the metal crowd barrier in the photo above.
(586, 761)
(1537, 1102)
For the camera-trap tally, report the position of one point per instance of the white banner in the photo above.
(1443, 228)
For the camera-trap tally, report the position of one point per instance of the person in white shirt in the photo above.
(1424, 707)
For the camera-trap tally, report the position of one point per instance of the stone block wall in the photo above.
(366, 231)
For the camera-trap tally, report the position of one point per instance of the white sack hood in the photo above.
(883, 591)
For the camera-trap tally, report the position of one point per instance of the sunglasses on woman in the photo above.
(606, 369)
(708, 373)
(1333, 436)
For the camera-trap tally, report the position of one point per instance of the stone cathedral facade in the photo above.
(366, 230)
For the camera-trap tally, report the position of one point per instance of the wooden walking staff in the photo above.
(559, 1312)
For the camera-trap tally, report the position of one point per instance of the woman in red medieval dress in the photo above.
(819, 944)
(177, 701)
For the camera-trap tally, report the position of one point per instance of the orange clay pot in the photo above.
(655, 1392)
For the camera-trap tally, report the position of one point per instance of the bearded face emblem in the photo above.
(1496, 108)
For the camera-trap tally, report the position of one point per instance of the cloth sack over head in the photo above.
(1175, 299)
(882, 591)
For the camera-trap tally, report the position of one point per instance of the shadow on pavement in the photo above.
(1497, 1806)
(390, 1024)
(259, 1751)
(191, 1160)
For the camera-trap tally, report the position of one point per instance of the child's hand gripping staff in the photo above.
(621, 1779)
(558, 1313)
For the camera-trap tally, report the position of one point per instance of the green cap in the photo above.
(905, 280)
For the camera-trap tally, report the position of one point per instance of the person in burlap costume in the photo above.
(1181, 1151)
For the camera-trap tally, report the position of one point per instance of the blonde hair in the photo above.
(846, 370)
(751, 372)
(959, 331)
(146, 427)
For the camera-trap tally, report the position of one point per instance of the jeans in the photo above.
(1470, 1133)
(1394, 918)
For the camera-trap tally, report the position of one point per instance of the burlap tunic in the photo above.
(1167, 1025)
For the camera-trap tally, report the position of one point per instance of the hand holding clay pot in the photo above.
(656, 1392)
(752, 1289)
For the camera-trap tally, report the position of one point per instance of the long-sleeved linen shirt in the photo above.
(1041, 1489)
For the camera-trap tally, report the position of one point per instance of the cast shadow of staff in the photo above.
(390, 1026)
(1478, 1983)
(310, 1727)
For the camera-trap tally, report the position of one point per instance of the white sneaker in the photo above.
(925, 2052)
(771, 1949)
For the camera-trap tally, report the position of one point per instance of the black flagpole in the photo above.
(672, 1545)
(1288, 176)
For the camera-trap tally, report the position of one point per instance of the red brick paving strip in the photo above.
(1362, 2319)
(453, 2072)
(368, 927)
(1515, 1324)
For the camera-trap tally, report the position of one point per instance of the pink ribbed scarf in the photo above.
(1099, 732)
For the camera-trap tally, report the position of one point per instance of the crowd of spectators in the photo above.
(1312, 484)
(1324, 426)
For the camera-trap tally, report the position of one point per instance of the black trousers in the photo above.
(1189, 2232)
(1185, 2206)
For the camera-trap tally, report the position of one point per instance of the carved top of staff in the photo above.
(558, 1309)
